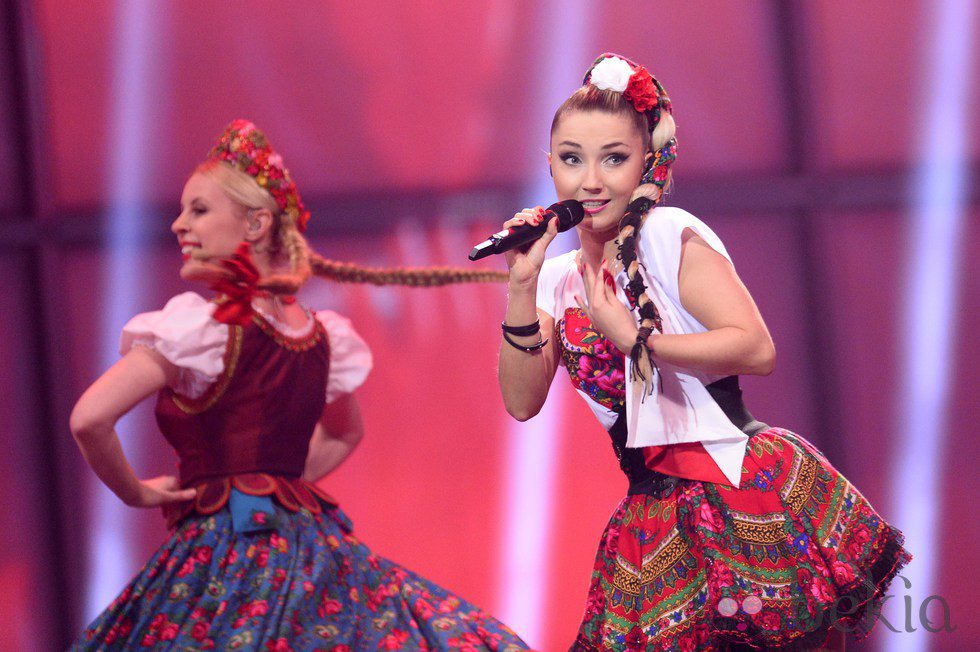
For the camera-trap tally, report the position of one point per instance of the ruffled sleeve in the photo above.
(350, 357)
(187, 336)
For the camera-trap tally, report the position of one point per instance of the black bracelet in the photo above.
(522, 331)
(526, 349)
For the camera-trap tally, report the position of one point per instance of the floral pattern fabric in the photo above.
(774, 564)
(766, 565)
(594, 363)
(308, 585)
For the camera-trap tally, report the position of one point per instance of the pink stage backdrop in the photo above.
(413, 130)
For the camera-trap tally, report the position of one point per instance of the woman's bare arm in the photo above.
(139, 374)
(337, 433)
(737, 340)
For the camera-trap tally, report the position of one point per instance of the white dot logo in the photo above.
(727, 607)
(752, 604)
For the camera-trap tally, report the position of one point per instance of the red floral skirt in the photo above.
(775, 564)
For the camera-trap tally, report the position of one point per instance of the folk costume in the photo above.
(261, 559)
(732, 533)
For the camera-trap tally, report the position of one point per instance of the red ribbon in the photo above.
(239, 290)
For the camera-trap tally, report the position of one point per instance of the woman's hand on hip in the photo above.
(159, 491)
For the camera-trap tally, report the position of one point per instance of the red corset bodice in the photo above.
(259, 415)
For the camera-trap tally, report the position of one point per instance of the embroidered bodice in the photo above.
(595, 366)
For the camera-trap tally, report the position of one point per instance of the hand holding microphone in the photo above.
(568, 213)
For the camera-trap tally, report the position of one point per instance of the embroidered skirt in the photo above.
(309, 584)
(774, 564)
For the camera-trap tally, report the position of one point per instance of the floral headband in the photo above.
(246, 148)
(646, 94)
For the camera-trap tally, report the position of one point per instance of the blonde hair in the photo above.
(288, 244)
(239, 186)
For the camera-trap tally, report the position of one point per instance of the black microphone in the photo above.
(568, 212)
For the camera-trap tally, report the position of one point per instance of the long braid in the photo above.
(304, 262)
(413, 277)
(644, 198)
(650, 321)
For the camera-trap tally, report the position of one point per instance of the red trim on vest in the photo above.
(293, 494)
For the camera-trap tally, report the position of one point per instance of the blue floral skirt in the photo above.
(308, 584)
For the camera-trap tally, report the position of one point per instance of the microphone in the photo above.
(568, 212)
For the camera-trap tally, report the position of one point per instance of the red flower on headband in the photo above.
(641, 91)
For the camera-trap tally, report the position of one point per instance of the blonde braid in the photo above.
(298, 253)
(304, 262)
(413, 277)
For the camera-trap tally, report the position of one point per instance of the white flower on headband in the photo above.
(612, 73)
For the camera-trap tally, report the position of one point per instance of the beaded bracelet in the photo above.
(526, 349)
(522, 331)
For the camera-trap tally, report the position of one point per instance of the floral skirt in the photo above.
(308, 585)
(775, 564)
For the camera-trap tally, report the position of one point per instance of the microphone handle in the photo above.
(515, 236)
(568, 212)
